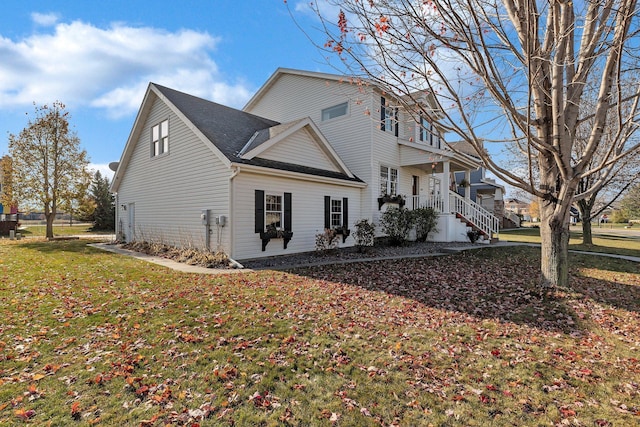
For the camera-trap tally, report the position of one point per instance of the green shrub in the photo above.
(425, 220)
(364, 233)
(397, 223)
(327, 240)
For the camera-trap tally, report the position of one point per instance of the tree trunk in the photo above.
(585, 213)
(49, 218)
(554, 234)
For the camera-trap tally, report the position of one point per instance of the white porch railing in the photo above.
(435, 202)
(476, 214)
(470, 210)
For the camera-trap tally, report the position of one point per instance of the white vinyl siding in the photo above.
(307, 213)
(300, 149)
(170, 192)
(294, 97)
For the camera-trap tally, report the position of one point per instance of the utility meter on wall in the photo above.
(204, 216)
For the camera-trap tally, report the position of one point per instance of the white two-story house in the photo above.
(309, 151)
(393, 151)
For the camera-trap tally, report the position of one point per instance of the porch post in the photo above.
(467, 189)
(445, 184)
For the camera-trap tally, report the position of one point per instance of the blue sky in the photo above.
(98, 58)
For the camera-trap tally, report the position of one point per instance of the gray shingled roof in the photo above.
(230, 130)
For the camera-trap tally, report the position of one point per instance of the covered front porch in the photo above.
(457, 213)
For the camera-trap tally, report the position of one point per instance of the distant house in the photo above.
(518, 207)
(484, 191)
(310, 151)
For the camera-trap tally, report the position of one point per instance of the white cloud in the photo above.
(83, 65)
(45, 19)
(103, 168)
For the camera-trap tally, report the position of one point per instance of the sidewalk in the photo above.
(625, 257)
(174, 265)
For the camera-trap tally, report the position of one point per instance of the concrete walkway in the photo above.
(169, 263)
(186, 268)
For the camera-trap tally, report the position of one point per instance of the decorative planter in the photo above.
(397, 199)
(344, 232)
(266, 237)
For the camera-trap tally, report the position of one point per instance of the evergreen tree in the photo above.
(105, 211)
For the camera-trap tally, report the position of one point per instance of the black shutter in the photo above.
(382, 113)
(345, 213)
(287, 211)
(327, 212)
(259, 221)
(395, 119)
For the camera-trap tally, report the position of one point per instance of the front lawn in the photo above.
(604, 240)
(93, 338)
(38, 230)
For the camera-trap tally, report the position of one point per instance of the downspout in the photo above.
(117, 224)
(235, 173)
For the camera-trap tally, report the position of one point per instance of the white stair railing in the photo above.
(476, 214)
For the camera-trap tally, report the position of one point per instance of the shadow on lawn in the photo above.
(45, 246)
(493, 283)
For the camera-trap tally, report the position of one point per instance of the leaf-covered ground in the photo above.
(93, 338)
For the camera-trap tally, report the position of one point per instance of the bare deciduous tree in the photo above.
(48, 164)
(513, 71)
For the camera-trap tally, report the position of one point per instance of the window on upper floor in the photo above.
(388, 181)
(335, 111)
(428, 133)
(160, 138)
(388, 117)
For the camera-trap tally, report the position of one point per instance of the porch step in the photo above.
(470, 224)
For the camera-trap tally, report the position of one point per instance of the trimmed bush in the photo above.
(397, 223)
(425, 220)
(364, 234)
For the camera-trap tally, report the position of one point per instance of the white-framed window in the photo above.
(388, 181)
(428, 133)
(388, 117)
(336, 213)
(335, 111)
(273, 215)
(160, 138)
